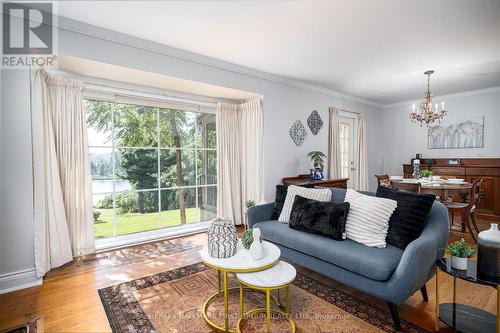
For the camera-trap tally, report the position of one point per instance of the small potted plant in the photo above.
(426, 175)
(460, 251)
(248, 204)
(318, 160)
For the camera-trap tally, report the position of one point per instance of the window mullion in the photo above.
(159, 166)
(113, 160)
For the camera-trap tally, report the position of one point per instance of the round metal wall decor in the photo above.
(298, 132)
(222, 239)
(314, 122)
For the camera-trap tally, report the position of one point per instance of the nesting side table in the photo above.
(275, 278)
(461, 317)
(240, 262)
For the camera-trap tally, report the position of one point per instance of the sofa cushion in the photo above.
(373, 263)
(279, 201)
(408, 220)
(368, 219)
(323, 194)
(319, 217)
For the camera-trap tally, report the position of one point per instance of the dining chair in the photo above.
(467, 209)
(408, 187)
(383, 180)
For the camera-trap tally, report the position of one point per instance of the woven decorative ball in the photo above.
(222, 239)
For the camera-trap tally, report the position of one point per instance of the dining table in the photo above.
(443, 191)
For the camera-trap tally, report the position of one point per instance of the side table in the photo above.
(240, 262)
(461, 317)
(275, 278)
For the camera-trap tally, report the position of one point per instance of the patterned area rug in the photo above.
(172, 302)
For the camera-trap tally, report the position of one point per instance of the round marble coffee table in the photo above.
(241, 262)
(275, 278)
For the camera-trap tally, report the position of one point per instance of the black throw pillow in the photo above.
(319, 217)
(279, 200)
(408, 220)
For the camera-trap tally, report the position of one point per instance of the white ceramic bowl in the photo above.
(455, 181)
(396, 177)
(436, 177)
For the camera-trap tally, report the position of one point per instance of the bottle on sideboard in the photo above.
(488, 255)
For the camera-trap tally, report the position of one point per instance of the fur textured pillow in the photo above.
(309, 193)
(408, 221)
(368, 219)
(319, 217)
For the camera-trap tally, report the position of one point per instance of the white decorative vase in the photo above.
(488, 256)
(222, 239)
(459, 263)
(257, 249)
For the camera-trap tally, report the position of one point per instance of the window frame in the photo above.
(159, 103)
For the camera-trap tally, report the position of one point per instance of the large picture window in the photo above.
(152, 167)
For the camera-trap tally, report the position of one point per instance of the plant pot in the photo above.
(459, 263)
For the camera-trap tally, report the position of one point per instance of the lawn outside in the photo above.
(137, 222)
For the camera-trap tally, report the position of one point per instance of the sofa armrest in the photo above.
(260, 213)
(417, 265)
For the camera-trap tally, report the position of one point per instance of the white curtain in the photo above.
(362, 167)
(334, 162)
(61, 171)
(239, 157)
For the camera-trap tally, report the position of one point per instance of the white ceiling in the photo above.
(372, 49)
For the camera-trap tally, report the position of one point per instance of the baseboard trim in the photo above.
(19, 280)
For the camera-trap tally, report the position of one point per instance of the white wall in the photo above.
(404, 139)
(16, 196)
(284, 102)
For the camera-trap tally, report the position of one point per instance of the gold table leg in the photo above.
(287, 300)
(241, 300)
(498, 309)
(219, 280)
(268, 310)
(436, 327)
(226, 305)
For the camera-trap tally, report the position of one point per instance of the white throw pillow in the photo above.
(368, 219)
(309, 193)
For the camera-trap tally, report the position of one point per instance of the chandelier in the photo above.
(427, 113)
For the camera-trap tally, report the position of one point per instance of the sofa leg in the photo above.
(395, 315)
(423, 290)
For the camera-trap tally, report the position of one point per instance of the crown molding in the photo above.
(165, 50)
(477, 92)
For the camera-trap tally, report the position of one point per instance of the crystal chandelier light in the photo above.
(427, 113)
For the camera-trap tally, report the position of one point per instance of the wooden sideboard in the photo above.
(470, 169)
(306, 180)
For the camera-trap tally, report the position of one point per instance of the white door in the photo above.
(347, 150)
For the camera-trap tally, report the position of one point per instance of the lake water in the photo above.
(106, 186)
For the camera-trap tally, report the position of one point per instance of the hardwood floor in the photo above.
(68, 299)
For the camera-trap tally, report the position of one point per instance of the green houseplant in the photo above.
(248, 204)
(247, 239)
(460, 251)
(318, 159)
(426, 174)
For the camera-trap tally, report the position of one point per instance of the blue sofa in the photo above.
(389, 273)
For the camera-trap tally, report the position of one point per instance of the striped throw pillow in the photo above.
(368, 219)
(309, 193)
